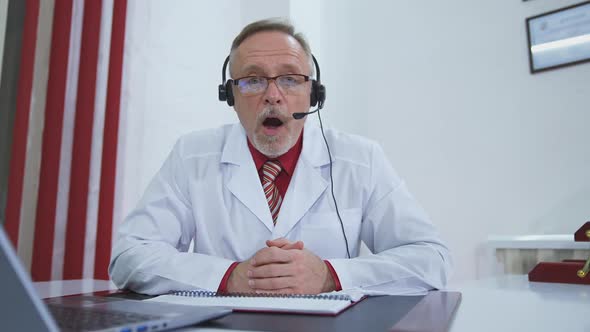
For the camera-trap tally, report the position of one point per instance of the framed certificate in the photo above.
(559, 38)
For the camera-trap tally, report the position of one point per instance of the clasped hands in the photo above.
(283, 267)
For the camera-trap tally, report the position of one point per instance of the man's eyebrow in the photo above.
(290, 69)
(253, 69)
(284, 69)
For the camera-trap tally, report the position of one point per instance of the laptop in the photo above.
(22, 310)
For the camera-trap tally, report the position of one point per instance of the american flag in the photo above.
(59, 210)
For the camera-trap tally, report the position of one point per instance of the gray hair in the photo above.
(271, 24)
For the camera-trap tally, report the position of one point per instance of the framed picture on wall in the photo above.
(559, 38)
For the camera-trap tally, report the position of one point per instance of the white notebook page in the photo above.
(275, 304)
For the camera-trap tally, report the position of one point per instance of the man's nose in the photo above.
(273, 94)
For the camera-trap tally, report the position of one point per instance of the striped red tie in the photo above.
(270, 170)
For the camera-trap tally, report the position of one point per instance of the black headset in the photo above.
(317, 95)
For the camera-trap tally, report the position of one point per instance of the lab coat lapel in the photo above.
(243, 181)
(306, 185)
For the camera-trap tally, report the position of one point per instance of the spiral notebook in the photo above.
(321, 304)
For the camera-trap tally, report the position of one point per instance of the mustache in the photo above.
(274, 112)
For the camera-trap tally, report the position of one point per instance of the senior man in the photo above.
(266, 206)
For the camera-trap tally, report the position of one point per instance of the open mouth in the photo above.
(271, 122)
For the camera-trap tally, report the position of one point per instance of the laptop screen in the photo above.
(20, 309)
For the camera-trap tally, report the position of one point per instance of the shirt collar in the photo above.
(288, 160)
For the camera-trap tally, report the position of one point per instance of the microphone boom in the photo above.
(301, 115)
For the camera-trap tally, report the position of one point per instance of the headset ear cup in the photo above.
(318, 94)
(321, 95)
(229, 93)
(313, 97)
(222, 94)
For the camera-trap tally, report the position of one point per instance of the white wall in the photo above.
(172, 66)
(485, 146)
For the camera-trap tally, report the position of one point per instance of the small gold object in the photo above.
(584, 271)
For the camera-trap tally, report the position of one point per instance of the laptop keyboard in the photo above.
(88, 319)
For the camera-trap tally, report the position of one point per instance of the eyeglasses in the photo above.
(289, 83)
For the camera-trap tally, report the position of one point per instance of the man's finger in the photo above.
(279, 242)
(271, 255)
(271, 283)
(285, 244)
(294, 245)
(270, 271)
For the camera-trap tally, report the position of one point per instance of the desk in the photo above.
(505, 303)
(512, 303)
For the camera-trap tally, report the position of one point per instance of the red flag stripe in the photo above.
(110, 141)
(52, 135)
(81, 150)
(21, 121)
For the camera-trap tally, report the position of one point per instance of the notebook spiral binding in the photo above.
(199, 293)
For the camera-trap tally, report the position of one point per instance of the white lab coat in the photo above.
(208, 191)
